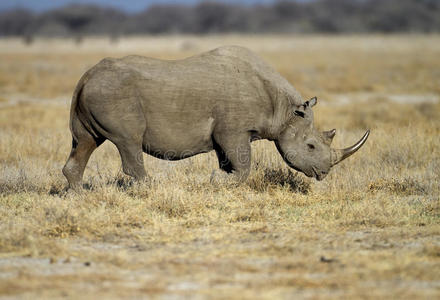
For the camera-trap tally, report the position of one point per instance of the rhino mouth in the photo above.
(318, 175)
(314, 173)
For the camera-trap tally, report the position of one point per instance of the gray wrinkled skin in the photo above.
(219, 100)
(303, 147)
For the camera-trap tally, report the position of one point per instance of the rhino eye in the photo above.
(311, 146)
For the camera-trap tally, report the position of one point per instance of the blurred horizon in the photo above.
(79, 18)
(129, 6)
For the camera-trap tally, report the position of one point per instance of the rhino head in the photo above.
(307, 150)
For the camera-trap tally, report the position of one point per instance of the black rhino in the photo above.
(220, 100)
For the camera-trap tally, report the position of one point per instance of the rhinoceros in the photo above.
(219, 100)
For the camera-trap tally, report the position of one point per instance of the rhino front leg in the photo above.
(132, 159)
(234, 156)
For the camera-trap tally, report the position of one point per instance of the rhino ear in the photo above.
(312, 102)
(303, 111)
(299, 113)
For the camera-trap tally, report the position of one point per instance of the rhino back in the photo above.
(228, 84)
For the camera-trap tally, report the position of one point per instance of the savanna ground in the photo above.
(371, 229)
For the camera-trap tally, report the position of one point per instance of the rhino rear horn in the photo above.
(329, 135)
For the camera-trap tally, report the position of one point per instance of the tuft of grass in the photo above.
(398, 186)
(431, 249)
(293, 181)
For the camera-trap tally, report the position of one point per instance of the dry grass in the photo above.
(370, 230)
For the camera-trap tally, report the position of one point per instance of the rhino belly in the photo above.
(177, 140)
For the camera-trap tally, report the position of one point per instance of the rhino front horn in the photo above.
(339, 155)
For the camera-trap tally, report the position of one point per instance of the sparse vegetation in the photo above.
(371, 229)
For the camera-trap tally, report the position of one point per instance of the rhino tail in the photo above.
(78, 111)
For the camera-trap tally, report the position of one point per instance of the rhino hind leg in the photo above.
(82, 147)
(234, 156)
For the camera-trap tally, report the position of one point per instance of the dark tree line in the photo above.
(320, 16)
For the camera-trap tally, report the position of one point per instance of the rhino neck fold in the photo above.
(281, 118)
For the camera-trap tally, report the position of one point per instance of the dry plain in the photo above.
(371, 229)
